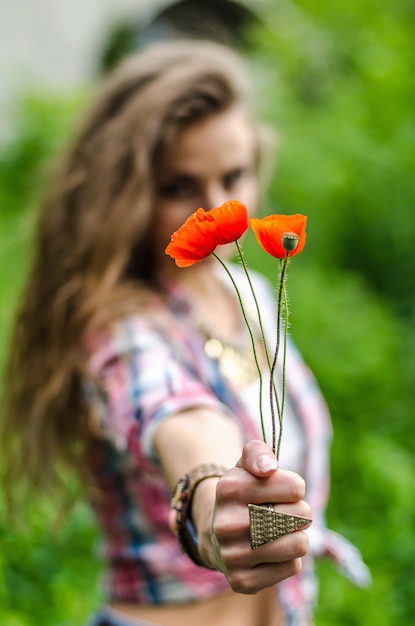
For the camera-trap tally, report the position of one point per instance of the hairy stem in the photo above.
(252, 339)
(274, 398)
(284, 363)
(274, 362)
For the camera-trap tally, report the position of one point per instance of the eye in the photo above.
(233, 177)
(180, 187)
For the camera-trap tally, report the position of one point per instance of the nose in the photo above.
(214, 196)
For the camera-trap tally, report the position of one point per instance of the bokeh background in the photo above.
(337, 81)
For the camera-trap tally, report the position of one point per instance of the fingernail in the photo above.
(266, 463)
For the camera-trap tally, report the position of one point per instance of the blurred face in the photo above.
(210, 162)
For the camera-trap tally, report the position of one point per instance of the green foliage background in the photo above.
(337, 80)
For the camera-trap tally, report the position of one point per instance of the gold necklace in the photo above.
(236, 360)
(236, 363)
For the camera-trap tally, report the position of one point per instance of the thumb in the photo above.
(258, 459)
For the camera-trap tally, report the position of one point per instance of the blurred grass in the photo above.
(338, 81)
(48, 574)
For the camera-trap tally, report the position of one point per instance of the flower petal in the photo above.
(270, 230)
(204, 230)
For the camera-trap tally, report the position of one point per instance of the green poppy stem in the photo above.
(252, 340)
(284, 363)
(263, 337)
(276, 447)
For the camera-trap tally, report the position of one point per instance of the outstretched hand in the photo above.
(256, 479)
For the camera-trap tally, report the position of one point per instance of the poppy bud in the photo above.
(289, 241)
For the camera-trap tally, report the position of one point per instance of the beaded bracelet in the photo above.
(182, 502)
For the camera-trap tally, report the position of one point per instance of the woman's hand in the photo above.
(226, 545)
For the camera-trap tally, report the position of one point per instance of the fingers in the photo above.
(231, 527)
(257, 459)
(276, 486)
(250, 581)
(240, 487)
(249, 571)
(239, 554)
(286, 548)
(256, 479)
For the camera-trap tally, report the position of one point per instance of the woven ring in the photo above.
(266, 524)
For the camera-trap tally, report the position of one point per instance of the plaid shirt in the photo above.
(151, 366)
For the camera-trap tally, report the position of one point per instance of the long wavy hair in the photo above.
(93, 255)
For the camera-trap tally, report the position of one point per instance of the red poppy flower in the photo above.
(270, 230)
(204, 230)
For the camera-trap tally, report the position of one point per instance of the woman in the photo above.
(109, 372)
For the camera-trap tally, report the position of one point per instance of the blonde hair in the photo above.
(93, 243)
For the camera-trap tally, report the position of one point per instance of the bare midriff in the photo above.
(228, 609)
